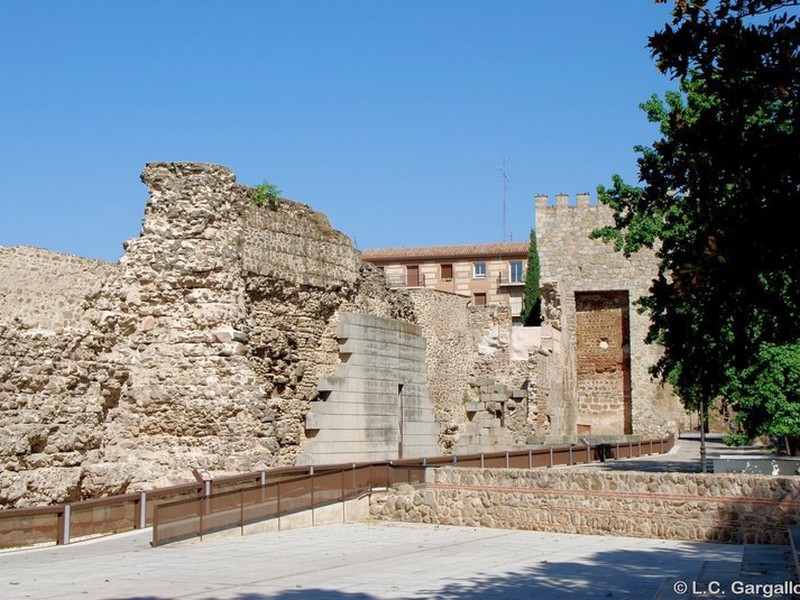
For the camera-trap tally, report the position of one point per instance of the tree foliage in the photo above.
(532, 299)
(767, 393)
(717, 203)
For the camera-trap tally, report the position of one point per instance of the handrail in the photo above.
(113, 514)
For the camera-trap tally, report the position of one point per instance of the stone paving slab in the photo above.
(358, 562)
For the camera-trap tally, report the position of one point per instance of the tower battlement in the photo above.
(562, 201)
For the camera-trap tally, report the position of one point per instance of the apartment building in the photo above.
(486, 273)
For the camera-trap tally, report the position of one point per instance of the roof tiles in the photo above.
(421, 253)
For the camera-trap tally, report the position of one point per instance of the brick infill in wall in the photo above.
(616, 495)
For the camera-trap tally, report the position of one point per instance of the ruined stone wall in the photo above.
(571, 264)
(471, 366)
(201, 348)
(43, 289)
(450, 349)
(683, 506)
(55, 390)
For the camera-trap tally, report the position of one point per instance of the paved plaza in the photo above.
(365, 561)
(358, 562)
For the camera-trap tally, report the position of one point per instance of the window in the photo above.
(516, 272)
(479, 270)
(479, 299)
(515, 302)
(412, 276)
(447, 272)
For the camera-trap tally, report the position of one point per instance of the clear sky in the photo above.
(392, 117)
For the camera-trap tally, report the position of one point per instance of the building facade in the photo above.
(485, 273)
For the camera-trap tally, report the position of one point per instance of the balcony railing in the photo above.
(503, 279)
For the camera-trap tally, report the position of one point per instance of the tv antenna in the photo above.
(505, 198)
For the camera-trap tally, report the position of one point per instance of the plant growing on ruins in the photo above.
(267, 193)
(532, 299)
(717, 190)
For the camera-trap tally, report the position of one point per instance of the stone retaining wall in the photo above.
(719, 508)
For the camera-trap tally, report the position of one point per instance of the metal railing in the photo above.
(199, 507)
(276, 497)
(506, 280)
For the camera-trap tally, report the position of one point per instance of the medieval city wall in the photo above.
(226, 335)
(202, 347)
(589, 299)
(39, 288)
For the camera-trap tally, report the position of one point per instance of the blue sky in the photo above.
(392, 117)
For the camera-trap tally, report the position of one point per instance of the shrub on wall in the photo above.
(267, 193)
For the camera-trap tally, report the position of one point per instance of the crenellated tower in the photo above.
(600, 363)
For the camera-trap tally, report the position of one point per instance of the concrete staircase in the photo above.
(765, 571)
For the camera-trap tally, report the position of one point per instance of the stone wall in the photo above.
(478, 381)
(719, 508)
(44, 289)
(573, 264)
(202, 347)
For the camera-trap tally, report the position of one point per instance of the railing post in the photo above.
(311, 472)
(62, 537)
(530, 458)
(508, 461)
(142, 516)
(640, 447)
(155, 526)
(651, 447)
(278, 503)
(207, 494)
(241, 511)
(455, 460)
(551, 456)
(481, 460)
(200, 509)
(588, 453)
(616, 454)
(263, 487)
(570, 456)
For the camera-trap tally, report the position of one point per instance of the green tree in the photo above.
(532, 300)
(767, 393)
(717, 201)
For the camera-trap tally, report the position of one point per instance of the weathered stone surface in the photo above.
(469, 350)
(200, 348)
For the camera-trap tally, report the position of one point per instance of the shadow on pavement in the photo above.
(617, 574)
